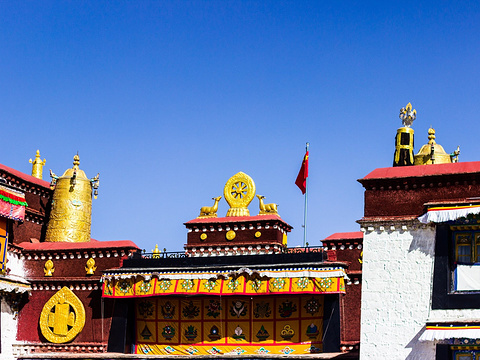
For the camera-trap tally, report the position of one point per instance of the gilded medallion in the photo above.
(62, 317)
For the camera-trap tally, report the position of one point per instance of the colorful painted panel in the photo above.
(234, 325)
(242, 285)
(12, 204)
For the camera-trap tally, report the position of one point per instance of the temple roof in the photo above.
(25, 177)
(346, 235)
(92, 244)
(421, 170)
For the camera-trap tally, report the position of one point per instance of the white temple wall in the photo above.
(8, 329)
(396, 292)
(8, 320)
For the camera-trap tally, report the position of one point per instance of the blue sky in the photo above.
(169, 99)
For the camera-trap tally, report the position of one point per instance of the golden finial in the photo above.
(408, 115)
(431, 136)
(49, 269)
(76, 161)
(156, 252)
(90, 268)
(37, 166)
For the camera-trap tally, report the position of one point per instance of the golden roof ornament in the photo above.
(266, 209)
(90, 267)
(71, 213)
(404, 140)
(156, 252)
(432, 153)
(239, 192)
(49, 269)
(209, 211)
(407, 115)
(37, 166)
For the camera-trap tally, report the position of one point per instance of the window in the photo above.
(467, 247)
(466, 255)
(456, 277)
(470, 353)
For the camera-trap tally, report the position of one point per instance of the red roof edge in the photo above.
(346, 235)
(25, 177)
(93, 244)
(236, 219)
(423, 170)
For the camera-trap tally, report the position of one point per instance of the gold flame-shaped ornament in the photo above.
(37, 166)
(49, 268)
(62, 317)
(71, 213)
(90, 268)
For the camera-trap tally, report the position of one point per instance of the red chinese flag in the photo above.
(301, 181)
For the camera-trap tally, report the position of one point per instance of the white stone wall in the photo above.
(396, 292)
(9, 331)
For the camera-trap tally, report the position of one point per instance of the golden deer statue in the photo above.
(210, 211)
(266, 209)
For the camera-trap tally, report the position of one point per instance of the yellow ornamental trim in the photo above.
(62, 317)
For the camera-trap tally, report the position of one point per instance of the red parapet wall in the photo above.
(403, 191)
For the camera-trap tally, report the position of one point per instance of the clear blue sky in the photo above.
(167, 100)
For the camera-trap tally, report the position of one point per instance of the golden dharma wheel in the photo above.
(239, 192)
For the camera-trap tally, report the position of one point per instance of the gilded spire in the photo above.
(76, 161)
(431, 136)
(37, 166)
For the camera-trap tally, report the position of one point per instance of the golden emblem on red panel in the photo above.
(62, 317)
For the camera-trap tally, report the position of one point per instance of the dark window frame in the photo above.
(442, 295)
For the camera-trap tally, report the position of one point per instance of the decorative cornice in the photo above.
(204, 251)
(73, 253)
(247, 225)
(424, 182)
(25, 186)
(22, 350)
(72, 284)
(392, 226)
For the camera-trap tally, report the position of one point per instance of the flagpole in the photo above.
(305, 209)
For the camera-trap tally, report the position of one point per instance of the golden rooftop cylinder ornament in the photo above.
(404, 140)
(37, 166)
(71, 214)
